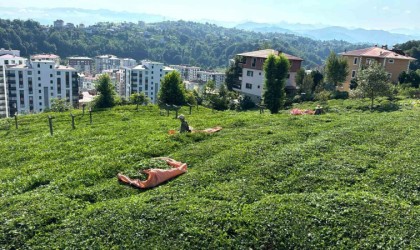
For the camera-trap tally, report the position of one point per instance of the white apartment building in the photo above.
(188, 73)
(32, 85)
(82, 64)
(106, 62)
(128, 63)
(145, 78)
(117, 80)
(217, 77)
(9, 52)
(7, 60)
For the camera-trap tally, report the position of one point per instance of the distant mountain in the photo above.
(331, 33)
(77, 15)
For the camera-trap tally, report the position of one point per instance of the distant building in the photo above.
(7, 60)
(9, 52)
(393, 62)
(106, 62)
(145, 78)
(217, 77)
(82, 64)
(31, 86)
(70, 26)
(188, 73)
(58, 24)
(252, 79)
(128, 63)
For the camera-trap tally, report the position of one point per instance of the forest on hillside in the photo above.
(205, 45)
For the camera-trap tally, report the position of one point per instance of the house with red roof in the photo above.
(393, 61)
(252, 79)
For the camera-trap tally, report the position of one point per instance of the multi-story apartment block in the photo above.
(217, 77)
(82, 64)
(252, 79)
(117, 80)
(9, 52)
(188, 73)
(106, 62)
(128, 63)
(393, 62)
(145, 78)
(7, 61)
(32, 85)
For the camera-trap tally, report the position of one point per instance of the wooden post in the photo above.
(90, 115)
(16, 121)
(137, 100)
(50, 123)
(83, 106)
(72, 121)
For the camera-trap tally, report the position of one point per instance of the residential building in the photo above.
(7, 61)
(145, 78)
(88, 82)
(46, 57)
(217, 77)
(105, 62)
(188, 73)
(58, 24)
(31, 86)
(252, 79)
(117, 80)
(394, 62)
(9, 52)
(82, 64)
(128, 63)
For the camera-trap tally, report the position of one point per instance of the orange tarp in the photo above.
(157, 176)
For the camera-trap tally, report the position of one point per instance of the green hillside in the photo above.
(204, 45)
(348, 179)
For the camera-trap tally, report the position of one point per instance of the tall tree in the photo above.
(233, 73)
(106, 96)
(307, 86)
(276, 69)
(172, 90)
(336, 69)
(373, 81)
(300, 74)
(318, 78)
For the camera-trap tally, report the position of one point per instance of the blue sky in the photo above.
(368, 14)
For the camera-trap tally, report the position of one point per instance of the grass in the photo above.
(346, 179)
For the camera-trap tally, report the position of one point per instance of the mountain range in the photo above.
(313, 31)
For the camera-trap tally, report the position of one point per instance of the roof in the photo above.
(266, 52)
(8, 56)
(377, 52)
(80, 58)
(45, 56)
(61, 67)
(139, 67)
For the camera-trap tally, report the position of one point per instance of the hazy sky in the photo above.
(369, 14)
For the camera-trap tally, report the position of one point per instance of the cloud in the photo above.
(385, 8)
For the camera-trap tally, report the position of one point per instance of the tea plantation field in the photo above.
(349, 179)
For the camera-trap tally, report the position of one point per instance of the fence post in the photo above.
(190, 107)
(83, 106)
(50, 123)
(16, 121)
(90, 115)
(137, 100)
(72, 121)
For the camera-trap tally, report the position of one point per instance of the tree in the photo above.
(336, 69)
(373, 81)
(412, 78)
(318, 78)
(105, 98)
(276, 69)
(307, 86)
(59, 105)
(300, 74)
(172, 89)
(233, 73)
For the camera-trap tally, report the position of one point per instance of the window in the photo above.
(39, 91)
(58, 73)
(353, 73)
(389, 75)
(29, 73)
(368, 61)
(258, 86)
(50, 66)
(250, 73)
(355, 61)
(39, 78)
(38, 65)
(391, 60)
(260, 73)
(39, 72)
(51, 75)
(248, 85)
(254, 62)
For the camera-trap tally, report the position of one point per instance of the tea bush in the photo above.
(346, 179)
